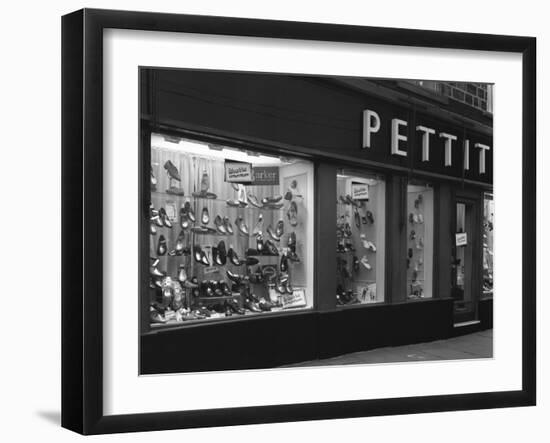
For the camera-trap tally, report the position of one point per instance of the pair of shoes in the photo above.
(223, 226)
(187, 216)
(200, 256)
(160, 218)
(283, 286)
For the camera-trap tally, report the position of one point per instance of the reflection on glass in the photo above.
(230, 232)
(360, 248)
(420, 203)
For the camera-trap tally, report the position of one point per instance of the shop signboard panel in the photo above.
(328, 118)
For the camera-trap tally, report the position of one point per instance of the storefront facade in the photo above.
(381, 235)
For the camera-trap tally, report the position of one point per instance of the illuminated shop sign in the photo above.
(399, 139)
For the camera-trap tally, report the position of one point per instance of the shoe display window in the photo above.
(488, 225)
(420, 228)
(231, 232)
(360, 233)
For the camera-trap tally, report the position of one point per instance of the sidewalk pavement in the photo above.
(476, 345)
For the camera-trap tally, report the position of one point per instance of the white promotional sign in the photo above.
(359, 191)
(236, 172)
(461, 239)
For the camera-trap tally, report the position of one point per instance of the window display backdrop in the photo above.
(290, 272)
(420, 228)
(360, 221)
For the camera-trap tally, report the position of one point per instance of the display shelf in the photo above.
(218, 317)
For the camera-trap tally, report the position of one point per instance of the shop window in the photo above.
(420, 234)
(360, 248)
(488, 226)
(231, 233)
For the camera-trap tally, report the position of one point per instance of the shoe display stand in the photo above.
(419, 243)
(212, 200)
(360, 242)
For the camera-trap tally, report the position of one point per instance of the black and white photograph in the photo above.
(299, 220)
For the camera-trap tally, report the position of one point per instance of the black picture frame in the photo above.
(82, 159)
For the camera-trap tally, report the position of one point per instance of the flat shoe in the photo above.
(205, 217)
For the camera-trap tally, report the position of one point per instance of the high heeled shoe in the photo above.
(258, 228)
(204, 259)
(161, 245)
(235, 278)
(233, 257)
(272, 234)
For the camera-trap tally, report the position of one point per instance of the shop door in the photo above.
(462, 269)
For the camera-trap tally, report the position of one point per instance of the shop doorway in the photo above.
(465, 302)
